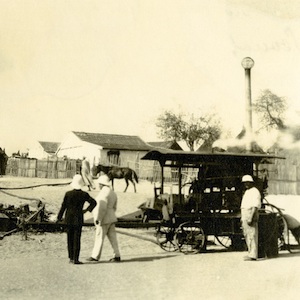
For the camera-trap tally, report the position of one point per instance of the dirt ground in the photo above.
(38, 268)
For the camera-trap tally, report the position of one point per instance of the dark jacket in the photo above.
(73, 206)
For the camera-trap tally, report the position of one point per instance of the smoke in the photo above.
(288, 139)
(265, 141)
(226, 144)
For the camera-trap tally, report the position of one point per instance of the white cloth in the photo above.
(101, 232)
(86, 173)
(250, 234)
(251, 200)
(104, 213)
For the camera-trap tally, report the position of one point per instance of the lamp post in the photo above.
(247, 64)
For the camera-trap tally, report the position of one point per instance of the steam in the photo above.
(284, 139)
(287, 140)
(225, 144)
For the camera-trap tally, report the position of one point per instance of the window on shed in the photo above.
(113, 157)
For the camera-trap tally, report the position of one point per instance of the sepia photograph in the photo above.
(149, 149)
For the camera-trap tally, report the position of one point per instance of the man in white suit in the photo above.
(105, 219)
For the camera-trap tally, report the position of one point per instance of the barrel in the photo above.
(267, 235)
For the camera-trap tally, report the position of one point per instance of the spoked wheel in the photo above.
(232, 242)
(224, 241)
(190, 238)
(165, 238)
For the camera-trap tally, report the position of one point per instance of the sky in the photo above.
(115, 66)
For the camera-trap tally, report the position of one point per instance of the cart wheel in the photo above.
(224, 241)
(190, 238)
(165, 237)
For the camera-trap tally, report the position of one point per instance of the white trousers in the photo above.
(102, 231)
(250, 233)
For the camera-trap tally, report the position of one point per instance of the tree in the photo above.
(171, 126)
(193, 131)
(270, 110)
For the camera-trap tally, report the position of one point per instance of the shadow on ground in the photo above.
(134, 259)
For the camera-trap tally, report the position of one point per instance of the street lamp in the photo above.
(247, 64)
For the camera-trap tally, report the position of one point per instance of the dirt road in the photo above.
(38, 268)
(146, 272)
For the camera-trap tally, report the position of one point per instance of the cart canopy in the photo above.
(188, 157)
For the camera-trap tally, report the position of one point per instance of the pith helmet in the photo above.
(247, 178)
(77, 182)
(104, 180)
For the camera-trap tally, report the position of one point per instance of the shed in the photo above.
(43, 149)
(110, 149)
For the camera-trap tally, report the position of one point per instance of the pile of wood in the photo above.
(13, 219)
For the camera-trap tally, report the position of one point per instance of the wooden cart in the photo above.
(200, 195)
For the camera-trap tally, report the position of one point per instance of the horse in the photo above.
(114, 172)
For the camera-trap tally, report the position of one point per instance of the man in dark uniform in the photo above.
(72, 206)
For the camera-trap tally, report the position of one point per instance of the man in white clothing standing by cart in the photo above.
(251, 203)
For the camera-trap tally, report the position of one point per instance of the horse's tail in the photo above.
(134, 176)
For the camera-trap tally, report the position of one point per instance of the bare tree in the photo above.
(193, 131)
(270, 110)
(170, 126)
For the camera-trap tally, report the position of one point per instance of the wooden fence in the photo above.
(46, 168)
(67, 168)
(284, 174)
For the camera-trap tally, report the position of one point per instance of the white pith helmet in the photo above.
(77, 182)
(104, 180)
(247, 178)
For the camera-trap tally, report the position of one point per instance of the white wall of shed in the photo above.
(74, 148)
(37, 151)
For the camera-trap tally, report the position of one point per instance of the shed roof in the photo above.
(49, 147)
(166, 144)
(113, 141)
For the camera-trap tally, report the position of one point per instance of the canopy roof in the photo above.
(187, 157)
